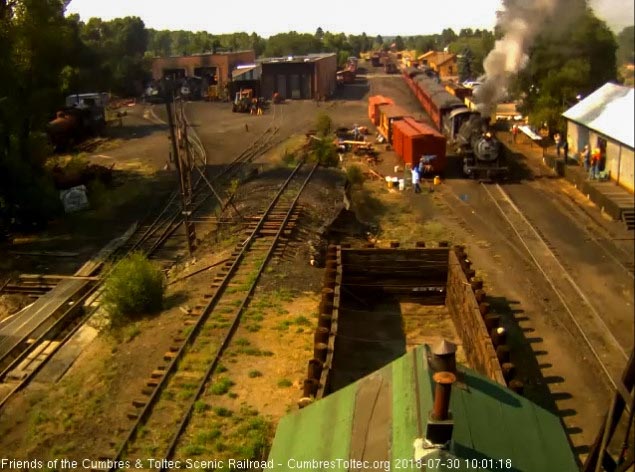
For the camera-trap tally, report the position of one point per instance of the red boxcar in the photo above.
(413, 140)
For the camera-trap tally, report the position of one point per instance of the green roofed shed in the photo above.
(373, 424)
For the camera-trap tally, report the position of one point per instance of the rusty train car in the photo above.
(466, 130)
(412, 141)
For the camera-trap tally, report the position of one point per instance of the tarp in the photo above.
(74, 199)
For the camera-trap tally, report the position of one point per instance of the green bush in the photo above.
(222, 386)
(323, 124)
(355, 175)
(324, 151)
(288, 158)
(134, 287)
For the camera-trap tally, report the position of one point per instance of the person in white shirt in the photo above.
(415, 180)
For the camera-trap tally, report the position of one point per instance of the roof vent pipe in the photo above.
(443, 357)
(440, 423)
(443, 387)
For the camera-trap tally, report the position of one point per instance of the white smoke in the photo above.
(520, 22)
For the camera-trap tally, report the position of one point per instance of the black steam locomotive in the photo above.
(467, 131)
(483, 153)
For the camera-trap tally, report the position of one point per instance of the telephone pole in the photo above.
(182, 158)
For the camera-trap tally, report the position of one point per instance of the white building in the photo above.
(605, 119)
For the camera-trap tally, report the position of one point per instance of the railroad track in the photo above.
(152, 236)
(610, 356)
(191, 362)
(19, 363)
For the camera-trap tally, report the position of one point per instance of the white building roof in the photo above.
(609, 111)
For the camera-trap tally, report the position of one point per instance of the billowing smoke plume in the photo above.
(520, 22)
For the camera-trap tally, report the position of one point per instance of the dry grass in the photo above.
(395, 213)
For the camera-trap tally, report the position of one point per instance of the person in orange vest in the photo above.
(595, 163)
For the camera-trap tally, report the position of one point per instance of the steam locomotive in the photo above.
(467, 131)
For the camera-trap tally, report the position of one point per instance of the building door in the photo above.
(306, 86)
(295, 86)
(281, 82)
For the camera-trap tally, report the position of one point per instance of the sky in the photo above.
(406, 17)
(277, 16)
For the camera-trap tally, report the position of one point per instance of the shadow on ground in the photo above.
(526, 354)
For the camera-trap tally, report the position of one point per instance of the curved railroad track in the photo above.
(194, 357)
(607, 351)
(151, 236)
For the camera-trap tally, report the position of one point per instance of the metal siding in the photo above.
(612, 158)
(294, 81)
(268, 85)
(306, 85)
(281, 85)
(626, 175)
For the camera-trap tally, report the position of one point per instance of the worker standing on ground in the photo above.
(586, 158)
(514, 132)
(415, 179)
(556, 139)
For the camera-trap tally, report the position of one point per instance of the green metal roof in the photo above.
(377, 420)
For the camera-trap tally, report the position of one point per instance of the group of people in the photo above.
(257, 106)
(591, 161)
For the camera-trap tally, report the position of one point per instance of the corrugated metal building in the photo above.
(605, 119)
(380, 423)
(300, 77)
(218, 67)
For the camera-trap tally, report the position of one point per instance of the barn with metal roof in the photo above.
(605, 119)
(398, 418)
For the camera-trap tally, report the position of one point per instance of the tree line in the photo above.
(45, 55)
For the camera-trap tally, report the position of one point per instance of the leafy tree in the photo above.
(576, 58)
(319, 33)
(465, 64)
(626, 42)
(399, 43)
(342, 57)
(379, 42)
(447, 36)
(291, 43)
(36, 43)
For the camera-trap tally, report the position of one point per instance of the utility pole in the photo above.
(181, 157)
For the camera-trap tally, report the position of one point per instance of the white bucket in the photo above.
(402, 184)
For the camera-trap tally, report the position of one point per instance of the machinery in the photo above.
(243, 101)
(83, 115)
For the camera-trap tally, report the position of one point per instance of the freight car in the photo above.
(388, 114)
(414, 141)
(466, 130)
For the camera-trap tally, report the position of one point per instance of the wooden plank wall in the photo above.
(467, 318)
